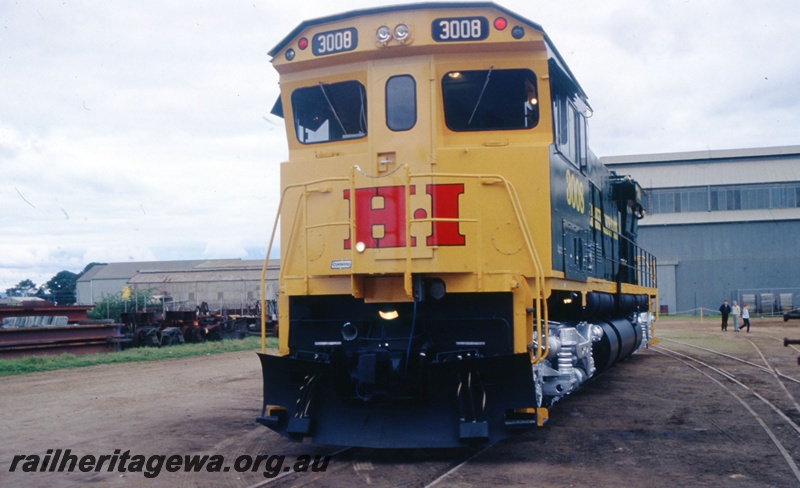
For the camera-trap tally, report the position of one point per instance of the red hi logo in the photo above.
(380, 216)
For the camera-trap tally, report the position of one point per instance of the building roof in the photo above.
(92, 272)
(702, 168)
(123, 271)
(237, 264)
(211, 271)
(721, 217)
(208, 276)
(126, 271)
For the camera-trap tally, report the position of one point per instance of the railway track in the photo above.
(761, 394)
(647, 420)
(764, 393)
(700, 408)
(382, 467)
(754, 377)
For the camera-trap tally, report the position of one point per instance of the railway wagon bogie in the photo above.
(454, 259)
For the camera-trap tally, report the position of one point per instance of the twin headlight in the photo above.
(384, 34)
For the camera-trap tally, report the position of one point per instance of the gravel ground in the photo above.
(652, 420)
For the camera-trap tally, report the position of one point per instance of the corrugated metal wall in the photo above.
(713, 261)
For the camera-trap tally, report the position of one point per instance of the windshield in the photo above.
(330, 112)
(492, 99)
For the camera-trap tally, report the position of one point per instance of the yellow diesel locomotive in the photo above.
(454, 259)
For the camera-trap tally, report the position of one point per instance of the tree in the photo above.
(61, 288)
(112, 306)
(25, 288)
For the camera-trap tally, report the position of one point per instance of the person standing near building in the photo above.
(735, 312)
(746, 318)
(725, 310)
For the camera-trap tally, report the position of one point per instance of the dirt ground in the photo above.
(652, 420)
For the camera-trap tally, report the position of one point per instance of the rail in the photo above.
(642, 270)
(540, 322)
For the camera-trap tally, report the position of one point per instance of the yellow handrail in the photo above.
(407, 193)
(541, 304)
(541, 319)
(269, 251)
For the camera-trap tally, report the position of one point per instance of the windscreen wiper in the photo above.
(330, 105)
(480, 97)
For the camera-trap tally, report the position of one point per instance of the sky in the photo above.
(140, 131)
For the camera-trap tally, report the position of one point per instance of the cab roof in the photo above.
(556, 56)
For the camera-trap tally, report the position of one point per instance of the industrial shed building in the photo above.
(722, 224)
(111, 278)
(230, 284)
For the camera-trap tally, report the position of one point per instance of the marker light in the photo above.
(383, 34)
(500, 23)
(436, 288)
(349, 332)
(302, 43)
(401, 32)
(388, 314)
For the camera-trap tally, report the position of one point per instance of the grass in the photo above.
(706, 333)
(33, 364)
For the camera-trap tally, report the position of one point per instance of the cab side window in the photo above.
(570, 131)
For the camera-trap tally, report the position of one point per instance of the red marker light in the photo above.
(500, 23)
(302, 43)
